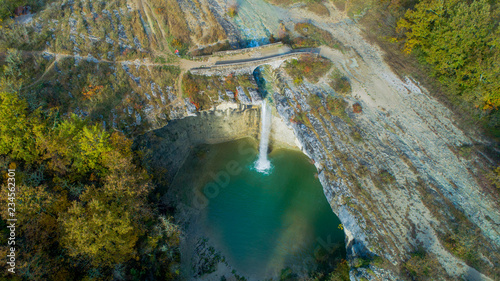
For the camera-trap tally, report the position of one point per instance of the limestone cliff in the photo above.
(401, 175)
(169, 146)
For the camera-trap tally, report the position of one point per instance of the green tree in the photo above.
(7, 7)
(99, 230)
(459, 39)
(108, 220)
(16, 129)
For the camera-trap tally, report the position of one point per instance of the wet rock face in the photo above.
(168, 146)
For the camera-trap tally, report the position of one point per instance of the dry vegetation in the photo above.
(210, 49)
(313, 36)
(309, 67)
(89, 38)
(315, 6)
(422, 266)
(100, 91)
(172, 20)
(458, 234)
(203, 91)
(340, 83)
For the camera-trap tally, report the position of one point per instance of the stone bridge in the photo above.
(247, 66)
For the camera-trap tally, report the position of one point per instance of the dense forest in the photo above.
(454, 46)
(88, 210)
(83, 210)
(460, 40)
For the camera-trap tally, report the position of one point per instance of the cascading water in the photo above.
(263, 164)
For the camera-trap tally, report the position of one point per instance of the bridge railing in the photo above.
(263, 60)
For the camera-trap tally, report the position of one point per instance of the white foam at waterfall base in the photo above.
(263, 164)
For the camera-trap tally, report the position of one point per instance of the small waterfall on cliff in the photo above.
(262, 164)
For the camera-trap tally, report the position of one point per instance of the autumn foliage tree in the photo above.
(92, 91)
(82, 200)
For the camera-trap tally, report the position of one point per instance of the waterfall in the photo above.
(262, 164)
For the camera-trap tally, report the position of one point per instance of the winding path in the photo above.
(243, 60)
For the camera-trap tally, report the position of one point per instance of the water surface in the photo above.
(261, 223)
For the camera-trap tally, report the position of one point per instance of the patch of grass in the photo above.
(379, 24)
(466, 151)
(493, 177)
(314, 101)
(203, 91)
(317, 8)
(336, 107)
(100, 91)
(340, 83)
(386, 177)
(309, 67)
(356, 108)
(287, 274)
(362, 171)
(173, 19)
(459, 235)
(160, 59)
(301, 118)
(422, 266)
(314, 37)
(340, 4)
(356, 136)
(341, 272)
(232, 11)
(352, 7)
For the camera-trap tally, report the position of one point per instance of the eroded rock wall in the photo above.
(169, 146)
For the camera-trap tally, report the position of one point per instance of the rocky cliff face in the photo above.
(170, 145)
(395, 177)
(402, 177)
(397, 182)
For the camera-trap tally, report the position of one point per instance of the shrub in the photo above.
(494, 177)
(317, 8)
(316, 36)
(340, 83)
(202, 90)
(341, 272)
(356, 135)
(362, 170)
(422, 265)
(357, 108)
(336, 106)
(314, 101)
(309, 67)
(300, 118)
(232, 10)
(386, 177)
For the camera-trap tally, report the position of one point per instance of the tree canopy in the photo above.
(82, 201)
(460, 40)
